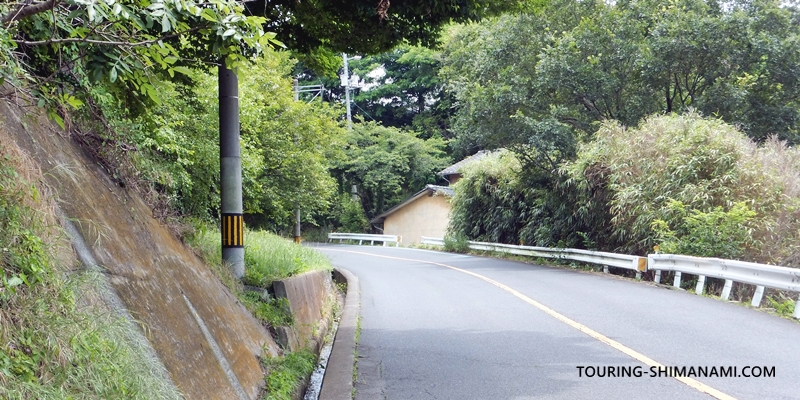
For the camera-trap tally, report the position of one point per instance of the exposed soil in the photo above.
(150, 269)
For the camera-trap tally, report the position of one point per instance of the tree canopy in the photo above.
(288, 146)
(387, 165)
(368, 26)
(53, 43)
(570, 65)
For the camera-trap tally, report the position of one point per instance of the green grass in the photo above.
(783, 306)
(62, 344)
(287, 373)
(268, 257)
(275, 312)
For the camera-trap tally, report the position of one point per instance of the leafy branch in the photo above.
(113, 43)
(27, 9)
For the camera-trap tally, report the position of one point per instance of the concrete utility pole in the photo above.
(317, 89)
(297, 238)
(230, 171)
(346, 84)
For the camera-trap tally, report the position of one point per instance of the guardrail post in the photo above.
(640, 264)
(657, 279)
(359, 242)
(757, 296)
(605, 269)
(726, 290)
(701, 283)
(796, 314)
(677, 281)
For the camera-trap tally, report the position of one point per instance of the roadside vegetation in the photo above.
(684, 183)
(694, 186)
(268, 257)
(285, 373)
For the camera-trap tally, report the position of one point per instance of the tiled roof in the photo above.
(446, 190)
(455, 168)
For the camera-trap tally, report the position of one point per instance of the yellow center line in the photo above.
(693, 383)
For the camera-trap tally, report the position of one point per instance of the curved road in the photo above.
(445, 326)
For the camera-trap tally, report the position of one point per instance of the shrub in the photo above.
(488, 202)
(717, 233)
(350, 216)
(457, 243)
(706, 166)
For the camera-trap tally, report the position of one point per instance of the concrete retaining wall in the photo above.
(311, 297)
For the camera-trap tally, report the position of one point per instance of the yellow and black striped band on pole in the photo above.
(232, 230)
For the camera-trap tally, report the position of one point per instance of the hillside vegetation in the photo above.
(695, 186)
(631, 124)
(687, 184)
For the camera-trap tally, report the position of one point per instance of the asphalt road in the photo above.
(445, 326)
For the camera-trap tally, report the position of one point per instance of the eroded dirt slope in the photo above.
(160, 281)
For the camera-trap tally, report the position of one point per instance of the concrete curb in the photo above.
(338, 381)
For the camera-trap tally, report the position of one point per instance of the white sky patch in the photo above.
(374, 75)
(377, 73)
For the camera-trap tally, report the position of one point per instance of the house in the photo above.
(427, 212)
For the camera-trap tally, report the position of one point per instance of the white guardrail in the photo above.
(760, 275)
(361, 237)
(635, 263)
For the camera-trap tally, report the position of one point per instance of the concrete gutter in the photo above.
(338, 381)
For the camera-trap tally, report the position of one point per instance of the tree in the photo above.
(402, 88)
(581, 63)
(387, 165)
(368, 26)
(288, 146)
(53, 43)
(51, 46)
(491, 69)
(541, 83)
(293, 145)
